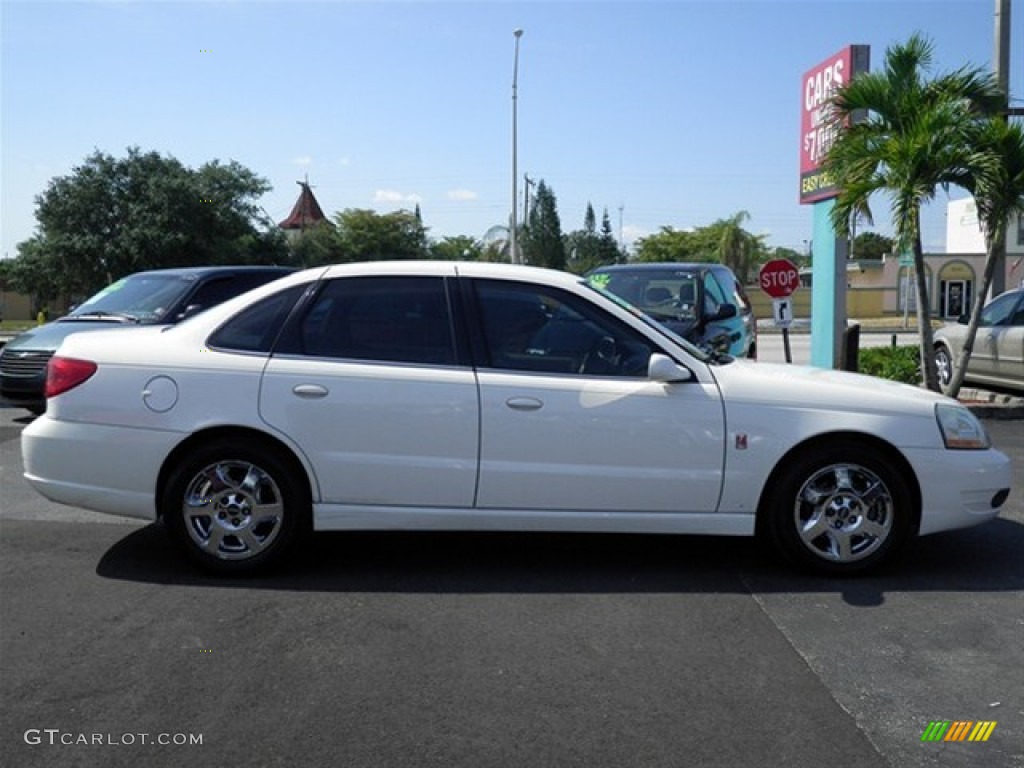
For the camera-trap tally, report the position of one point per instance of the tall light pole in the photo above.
(513, 224)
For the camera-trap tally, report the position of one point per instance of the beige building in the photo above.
(952, 276)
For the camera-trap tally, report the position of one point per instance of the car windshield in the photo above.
(668, 294)
(139, 297)
(595, 285)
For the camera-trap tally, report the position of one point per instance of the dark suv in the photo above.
(159, 297)
(703, 303)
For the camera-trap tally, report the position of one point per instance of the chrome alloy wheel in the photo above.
(843, 513)
(233, 510)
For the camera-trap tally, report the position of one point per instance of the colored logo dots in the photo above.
(958, 730)
(206, 50)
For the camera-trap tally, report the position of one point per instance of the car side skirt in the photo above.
(336, 517)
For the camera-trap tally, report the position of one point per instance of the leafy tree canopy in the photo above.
(458, 248)
(113, 216)
(871, 245)
(361, 234)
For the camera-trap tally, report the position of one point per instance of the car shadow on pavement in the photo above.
(984, 559)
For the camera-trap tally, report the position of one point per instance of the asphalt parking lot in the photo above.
(500, 650)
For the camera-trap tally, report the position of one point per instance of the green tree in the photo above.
(669, 244)
(911, 142)
(113, 216)
(365, 235)
(871, 245)
(737, 248)
(609, 251)
(583, 245)
(318, 245)
(996, 179)
(457, 248)
(542, 244)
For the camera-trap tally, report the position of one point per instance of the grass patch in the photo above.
(16, 326)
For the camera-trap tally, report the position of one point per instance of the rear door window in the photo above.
(383, 319)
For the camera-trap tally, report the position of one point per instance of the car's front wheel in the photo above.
(944, 366)
(236, 507)
(839, 510)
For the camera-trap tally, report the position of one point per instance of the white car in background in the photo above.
(450, 396)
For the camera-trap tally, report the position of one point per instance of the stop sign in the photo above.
(779, 278)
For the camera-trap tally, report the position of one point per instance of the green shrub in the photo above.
(894, 363)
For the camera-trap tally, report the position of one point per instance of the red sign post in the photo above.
(779, 278)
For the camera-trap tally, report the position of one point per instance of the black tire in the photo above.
(944, 366)
(236, 506)
(839, 509)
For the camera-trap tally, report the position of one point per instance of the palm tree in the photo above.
(997, 183)
(738, 247)
(913, 140)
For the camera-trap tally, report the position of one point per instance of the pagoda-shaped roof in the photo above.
(306, 211)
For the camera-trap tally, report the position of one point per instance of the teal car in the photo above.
(703, 303)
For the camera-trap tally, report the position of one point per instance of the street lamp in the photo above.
(513, 224)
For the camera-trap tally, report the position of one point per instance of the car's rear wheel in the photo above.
(839, 510)
(236, 507)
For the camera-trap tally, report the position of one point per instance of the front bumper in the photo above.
(959, 488)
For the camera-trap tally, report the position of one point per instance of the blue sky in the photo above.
(671, 113)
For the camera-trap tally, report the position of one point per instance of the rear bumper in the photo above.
(62, 463)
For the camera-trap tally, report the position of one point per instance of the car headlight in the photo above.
(960, 428)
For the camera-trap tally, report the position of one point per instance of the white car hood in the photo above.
(756, 383)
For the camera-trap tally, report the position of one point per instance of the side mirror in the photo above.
(666, 370)
(190, 310)
(964, 319)
(725, 311)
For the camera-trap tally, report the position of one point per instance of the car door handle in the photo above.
(524, 403)
(310, 391)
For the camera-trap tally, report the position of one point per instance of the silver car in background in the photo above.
(998, 356)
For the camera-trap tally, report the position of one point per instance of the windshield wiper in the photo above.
(103, 315)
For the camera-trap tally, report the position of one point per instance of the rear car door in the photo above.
(569, 419)
(370, 384)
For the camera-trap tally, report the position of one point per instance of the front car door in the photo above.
(994, 336)
(569, 419)
(1009, 364)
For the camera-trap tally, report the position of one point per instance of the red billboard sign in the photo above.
(816, 134)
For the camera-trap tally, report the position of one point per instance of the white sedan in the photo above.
(445, 396)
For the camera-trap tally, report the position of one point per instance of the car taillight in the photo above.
(64, 373)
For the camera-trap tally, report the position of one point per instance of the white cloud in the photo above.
(631, 233)
(303, 160)
(461, 194)
(344, 161)
(393, 196)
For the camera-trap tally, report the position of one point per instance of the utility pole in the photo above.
(513, 224)
(1001, 56)
(621, 244)
(527, 183)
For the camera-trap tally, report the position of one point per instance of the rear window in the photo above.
(255, 328)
